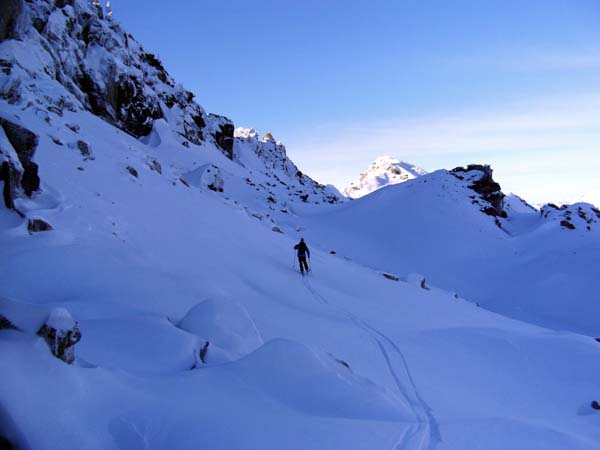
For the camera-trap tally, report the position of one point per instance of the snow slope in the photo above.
(197, 330)
(531, 267)
(384, 171)
(349, 360)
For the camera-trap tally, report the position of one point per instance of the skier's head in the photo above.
(301, 239)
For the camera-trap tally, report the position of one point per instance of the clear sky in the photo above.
(439, 83)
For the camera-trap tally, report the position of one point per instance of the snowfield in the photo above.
(166, 271)
(530, 267)
(343, 358)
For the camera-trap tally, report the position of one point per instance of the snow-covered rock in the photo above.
(579, 215)
(417, 280)
(206, 176)
(384, 171)
(61, 333)
(226, 325)
(274, 175)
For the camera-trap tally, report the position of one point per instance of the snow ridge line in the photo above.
(419, 407)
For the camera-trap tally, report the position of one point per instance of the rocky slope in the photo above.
(61, 58)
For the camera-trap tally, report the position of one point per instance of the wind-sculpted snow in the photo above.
(329, 389)
(226, 326)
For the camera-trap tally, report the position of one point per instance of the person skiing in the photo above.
(303, 252)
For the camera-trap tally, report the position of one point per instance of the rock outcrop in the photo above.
(17, 169)
(482, 182)
(224, 135)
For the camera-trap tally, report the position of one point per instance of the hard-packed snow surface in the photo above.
(175, 264)
(384, 171)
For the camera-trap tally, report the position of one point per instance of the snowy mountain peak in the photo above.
(384, 171)
(245, 133)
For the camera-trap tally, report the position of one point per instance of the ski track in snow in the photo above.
(425, 434)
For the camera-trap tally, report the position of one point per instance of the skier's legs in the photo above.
(301, 259)
(305, 263)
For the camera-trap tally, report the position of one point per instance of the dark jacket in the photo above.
(302, 249)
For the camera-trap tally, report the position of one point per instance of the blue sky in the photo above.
(439, 83)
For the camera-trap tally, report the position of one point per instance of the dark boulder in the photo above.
(567, 224)
(10, 10)
(84, 149)
(155, 165)
(23, 141)
(132, 171)
(61, 333)
(6, 324)
(38, 225)
(10, 175)
(596, 405)
(224, 138)
(5, 444)
(63, 3)
(30, 181)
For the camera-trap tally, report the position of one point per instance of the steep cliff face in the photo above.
(69, 55)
